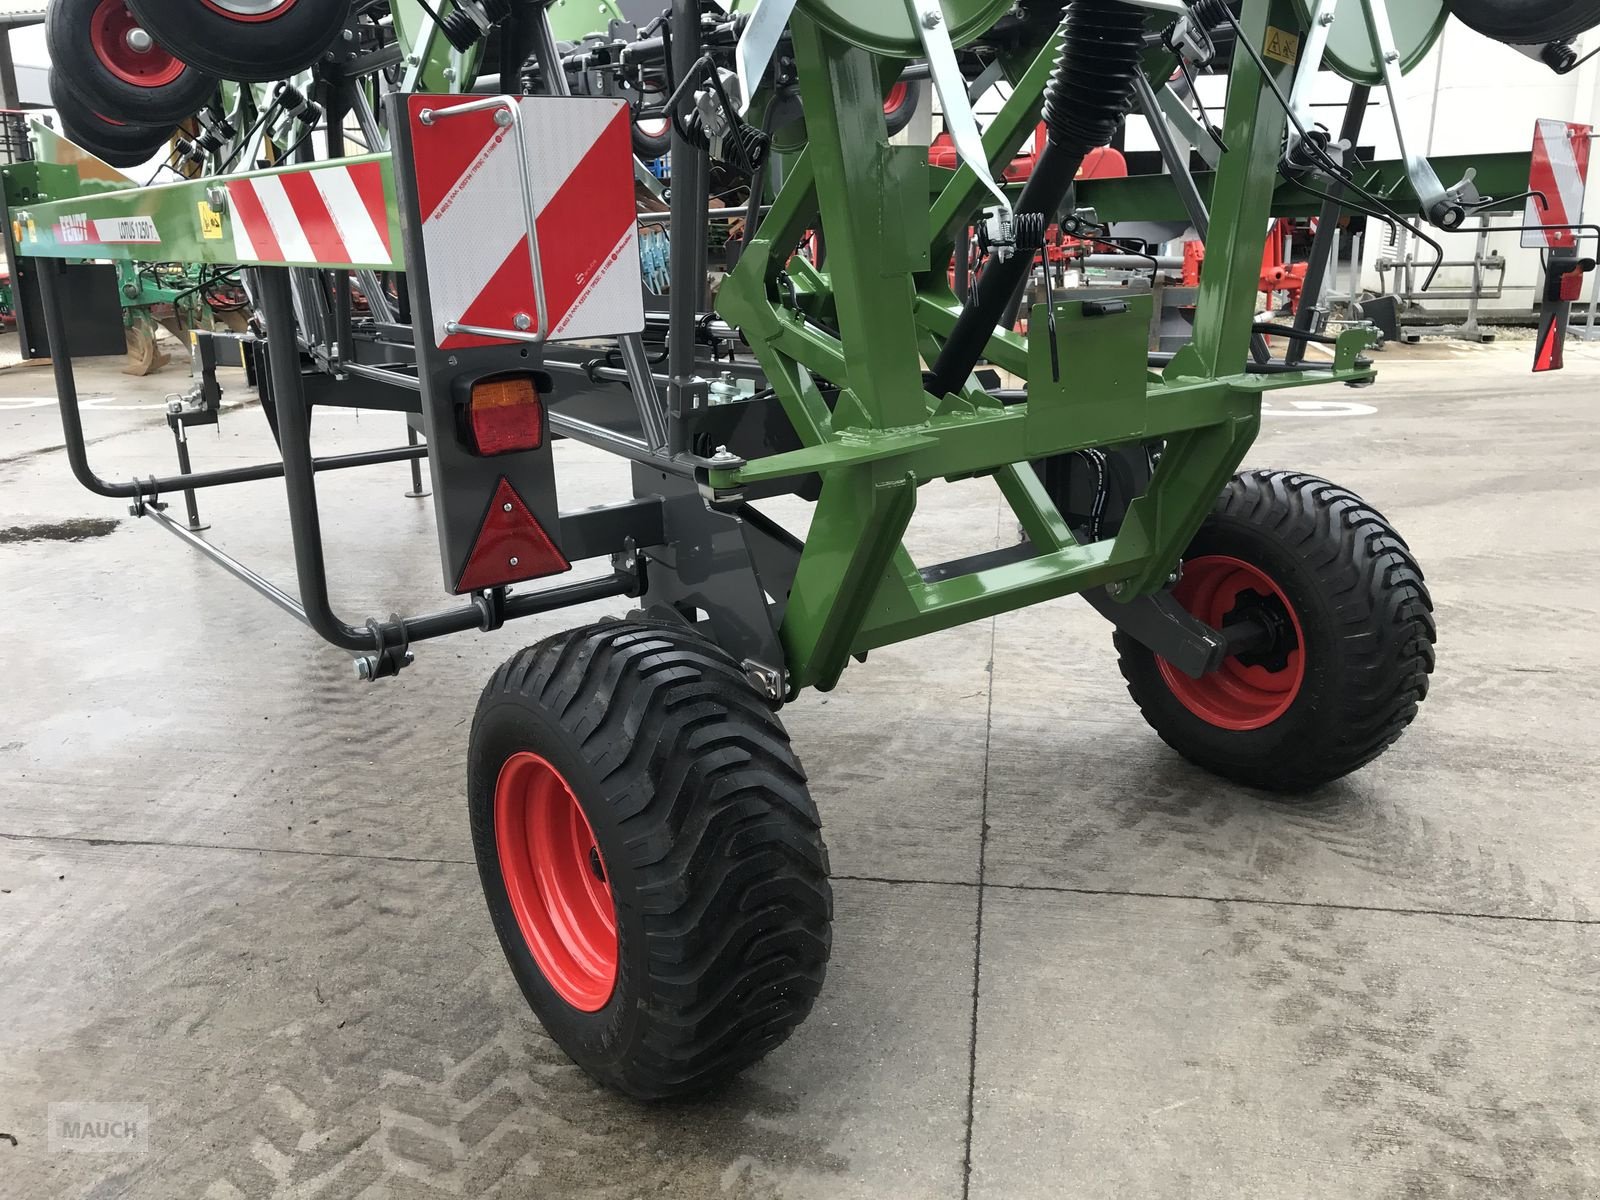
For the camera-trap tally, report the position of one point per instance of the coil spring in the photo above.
(752, 143)
(1029, 230)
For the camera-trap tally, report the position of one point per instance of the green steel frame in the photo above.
(865, 325)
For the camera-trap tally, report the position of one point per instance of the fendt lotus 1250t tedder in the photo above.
(499, 217)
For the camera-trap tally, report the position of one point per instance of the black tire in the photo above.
(1358, 612)
(251, 49)
(656, 141)
(902, 104)
(1527, 22)
(153, 88)
(120, 145)
(652, 143)
(703, 831)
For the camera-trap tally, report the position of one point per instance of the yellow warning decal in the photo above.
(1282, 46)
(210, 223)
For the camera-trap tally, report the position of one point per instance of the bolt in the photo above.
(454, 361)
(507, 508)
(1116, 589)
(450, 74)
(522, 321)
(516, 562)
(502, 117)
(140, 41)
(723, 454)
(217, 197)
(365, 667)
(932, 19)
(1393, 56)
(426, 116)
(1327, 18)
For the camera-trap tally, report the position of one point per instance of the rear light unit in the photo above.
(505, 415)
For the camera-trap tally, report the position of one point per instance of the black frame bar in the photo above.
(298, 470)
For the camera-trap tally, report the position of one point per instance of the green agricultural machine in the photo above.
(448, 210)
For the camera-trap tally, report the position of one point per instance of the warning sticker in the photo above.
(1282, 46)
(125, 231)
(210, 223)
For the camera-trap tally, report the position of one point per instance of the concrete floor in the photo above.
(236, 886)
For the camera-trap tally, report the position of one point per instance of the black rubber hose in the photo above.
(1090, 92)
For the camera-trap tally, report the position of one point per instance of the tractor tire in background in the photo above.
(122, 146)
(1527, 22)
(251, 41)
(652, 861)
(901, 104)
(109, 60)
(1354, 643)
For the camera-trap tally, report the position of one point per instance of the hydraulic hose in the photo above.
(1090, 92)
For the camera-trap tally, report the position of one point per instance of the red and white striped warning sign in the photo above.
(1561, 175)
(329, 215)
(474, 231)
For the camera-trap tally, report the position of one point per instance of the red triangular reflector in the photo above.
(1552, 346)
(511, 546)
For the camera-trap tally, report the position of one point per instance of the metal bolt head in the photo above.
(515, 562)
(1116, 589)
(522, 321)
(932, 19)
(502, 117)
(507, 508)
(364, 668)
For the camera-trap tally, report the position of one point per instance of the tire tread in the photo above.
(1379, 596)
(711, 802)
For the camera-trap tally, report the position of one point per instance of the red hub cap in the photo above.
(1249, 692)
(556, 881)
(127, 51)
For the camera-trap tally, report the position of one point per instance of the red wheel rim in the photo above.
(895, 98)
(250, 12)
(1239, 696)
(556, 881)
(110, 29)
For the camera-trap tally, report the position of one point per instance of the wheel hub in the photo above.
(127, 50)
(1259, 683)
